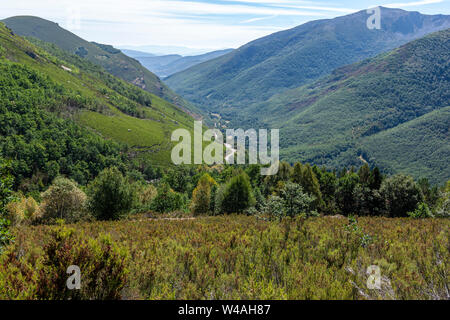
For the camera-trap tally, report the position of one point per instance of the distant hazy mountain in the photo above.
(294, 57)
(110, 58)
(166, 65)
(134, 53)
(392, 111)
(159, 50)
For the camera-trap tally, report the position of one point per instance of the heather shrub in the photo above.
(23, 211)
(43, 275)
(63, 200)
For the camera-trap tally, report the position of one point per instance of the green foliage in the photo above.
(6, 182)
(292, 201)
(345, 193)
(167, 200)
(102, 263)
(111, 196)
(201, 196)
(109, 58)
(236, 195)
(402, 195)
(422, 211)
(64, 200)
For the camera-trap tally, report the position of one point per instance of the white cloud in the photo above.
(412, 4)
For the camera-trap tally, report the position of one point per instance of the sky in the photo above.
(201, 25)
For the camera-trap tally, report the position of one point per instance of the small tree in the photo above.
(401, 195)
(345, 193)
(310, 185)
(201, 196)
(236, 196)
(63, 200)
(422, 211)
(111, 195)
(292, 201)
(167, 200)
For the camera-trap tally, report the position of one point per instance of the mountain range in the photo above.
(108, 57)
(340, 94)
(166, 65)
(62, 114)
(291, 58)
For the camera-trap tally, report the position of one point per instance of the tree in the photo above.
(111, 195)
(167, 200)
(63, 200)
(401, 195)
(236, 196)
(295, 201)
(201, 196)
(375, 179)
(297, 174)
(364, 174)
(345, 193)
(311, 185)
(6, 183)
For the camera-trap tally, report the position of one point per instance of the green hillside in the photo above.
(288, 59)
(388, 110)
(70, 116)
(110, 58)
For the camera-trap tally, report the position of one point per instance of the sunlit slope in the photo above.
(341, 118)
(108, 57)
(107, 105)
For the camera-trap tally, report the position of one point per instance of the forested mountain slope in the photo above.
(64, 115)
(391, 110)
(110, 58)
(253, 73)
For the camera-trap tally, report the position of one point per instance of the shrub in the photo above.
(292, 201)
(101, 262)
(201, 196)
(236, 196)
(147, 194)
(167, 200)
(401, 195)
(63, 200)
(422, 211)
(111, 195)
(23, 211)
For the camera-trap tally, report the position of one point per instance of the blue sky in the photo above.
(205, 24)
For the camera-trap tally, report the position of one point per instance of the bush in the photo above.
(401, 195)
(236, 196)
(63, 200)
(167, 200)
(422, 211)
(23, 211)
(201, 196)
(111, 195)
(292, 201)
(101, 262)
(147, 194)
